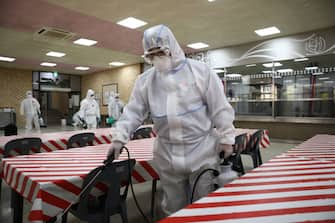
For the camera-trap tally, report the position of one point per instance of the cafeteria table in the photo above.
(297, 186)
(58, 140)
(51, 181)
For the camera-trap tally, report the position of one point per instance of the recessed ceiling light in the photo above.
(55, 54)
(285, 70)
(132, 23)
(85, 42)
(233, 75)
(211, 0)
(117, 64)
(198, 45)
(317, 73)
(82, 68)
(323, 78)
(268, 71)
(7, 59)
(276, 64)
(218, 70)
(47, 64)
(300, 59)
(267, 31)
(251, 65)
(311, 68)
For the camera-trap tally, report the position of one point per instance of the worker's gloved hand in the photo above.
(226, 148)
(115, 148)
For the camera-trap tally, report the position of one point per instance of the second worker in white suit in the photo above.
(89, 110)
(186, 100)
(115, 107)
(30, 108)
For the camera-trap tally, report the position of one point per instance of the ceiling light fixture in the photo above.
(276, 64)
(82, 68)
(85, 42)
(251, 65)
(116, 64)
(267, 31)
(131, 23)
(7, 59)
(55, 54)
(47, 64)
(285, 70)
(198, 45)
(233, 75)
(211, 0)
(300, 59)
(218, 70)
(311, 68)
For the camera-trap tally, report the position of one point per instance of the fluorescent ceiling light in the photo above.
(47, 64)
(7, 59)
(328, 82)
(211, 0)
(276, 64)
(268, 71)
(132, 23)
(82, 68)
(85, 42)
(300, 59)
(55, 54)
(317, 73)
(233, 75)
(251, 65)
(311, 68)
(117, 64)
(198, 45)
(284, 70)
(218, 70)
(323, 78)
(267, 31)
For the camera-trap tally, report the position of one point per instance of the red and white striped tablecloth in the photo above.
(286, 189)
(52, 180)
(319, 147)
(58, 140)
(265, 140)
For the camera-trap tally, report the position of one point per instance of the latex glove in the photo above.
(116, 149)
(227, 149)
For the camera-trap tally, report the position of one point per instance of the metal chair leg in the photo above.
(153, 193)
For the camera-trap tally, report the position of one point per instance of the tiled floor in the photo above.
(142, 191)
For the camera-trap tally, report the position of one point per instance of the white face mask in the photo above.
(162, 63)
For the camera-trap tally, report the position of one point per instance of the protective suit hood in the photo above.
(162, 37)
(29, 94)
(89, 93)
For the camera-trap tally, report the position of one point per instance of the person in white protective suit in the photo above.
(186, 100)
(115, 107)
(89, 110)
(30, 108)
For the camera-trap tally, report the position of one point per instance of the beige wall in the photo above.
(13, 86)
(124, 77)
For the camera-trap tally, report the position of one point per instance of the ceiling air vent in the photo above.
(54, 33)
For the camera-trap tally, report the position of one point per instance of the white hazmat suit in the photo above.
(115, 106)
(186, 100)
(89, 110)
(30, 108)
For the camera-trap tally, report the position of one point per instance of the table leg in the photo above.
(17, 207)
(153, 193)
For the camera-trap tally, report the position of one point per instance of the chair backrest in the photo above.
(80, 140)
(254, 141)
(112, 176)
(10, 129)
(240, 143)
(142, 133)
(22, 146)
